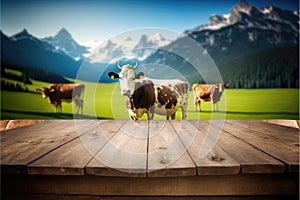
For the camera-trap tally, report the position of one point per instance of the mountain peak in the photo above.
(24, 32)
(243, 6)
(63, 34)
(157, 37)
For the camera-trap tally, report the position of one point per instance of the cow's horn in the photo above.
(119, 65)
(136, 65)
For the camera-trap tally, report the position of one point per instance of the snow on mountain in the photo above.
(24, 37)
(245, 31)
(63, 40)
(25, 49)
(250, 16)
(90, 45)
(114, 49)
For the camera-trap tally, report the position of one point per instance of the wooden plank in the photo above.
(283, 133)
(71, 158)
(167, 156)
(125, 154)
(216, 162)
(250, 158)
(283, 151)
(25, 145)
(111, 197)
(250, 184)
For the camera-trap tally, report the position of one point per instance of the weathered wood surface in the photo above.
(250, 158)
(125, 154)
(154, 148)
(216, 162)
(84, 158)
(283, 150)
(254, 184)
(167, 156)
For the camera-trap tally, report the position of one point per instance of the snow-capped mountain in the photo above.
(245, 31)
(24, 36)
(90, 46)
(63, 40)
(269, 18)
(26, 50)
(113, 49)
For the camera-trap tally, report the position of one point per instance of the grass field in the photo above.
(105, 101)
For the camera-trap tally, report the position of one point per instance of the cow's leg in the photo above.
(56, 109)
(213, 106)
(168, 117)
(173, 116)
(217, 106)
(183, 106)
(196, 103)
(60, 108)
(183, 112)
(56, 105)
(199, 103)
(149, 115)
(152, 109)
(77, 104)
(81, 106)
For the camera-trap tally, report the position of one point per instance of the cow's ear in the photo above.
(113, 75)
(140, 75)
(38, 89)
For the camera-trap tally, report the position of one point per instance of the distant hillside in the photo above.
(26, 74)
(275, 68)
(248, 40)
(26, 50)
(251, 47)
(63, 40)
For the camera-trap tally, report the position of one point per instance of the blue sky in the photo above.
(100, 19)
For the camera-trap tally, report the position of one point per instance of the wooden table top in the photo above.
(150, 148)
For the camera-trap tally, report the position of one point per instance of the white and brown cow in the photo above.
(58, 93)
(163, 97)
(208, 92)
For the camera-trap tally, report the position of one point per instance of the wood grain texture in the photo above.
(71, 158)
(283, 133)
(149, 148)
(125, 154)
(167, 156)
(107, 197)
(251, 159)
(216, 162)
(24, 145)
(253, 185)
(281, 150)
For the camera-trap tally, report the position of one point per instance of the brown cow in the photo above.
(208, 92)
(58, 93)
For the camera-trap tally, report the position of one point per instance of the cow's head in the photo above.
(127, 78)
(222, 86)
(45, 91)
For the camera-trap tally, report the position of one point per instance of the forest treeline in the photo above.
(7, 85)
(24, 76)
(276, 68)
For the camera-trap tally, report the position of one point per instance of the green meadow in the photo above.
(105, 101)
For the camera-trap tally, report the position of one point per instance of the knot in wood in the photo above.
(164, 160)
(216, 158)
